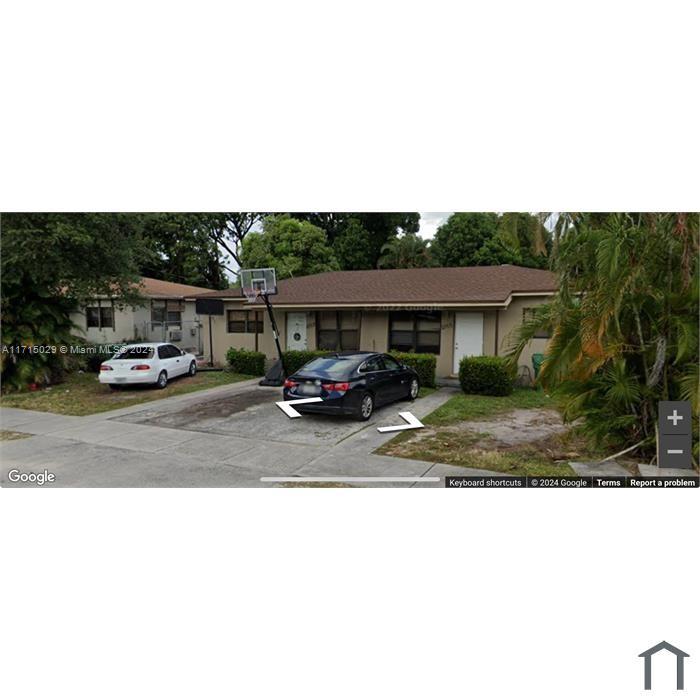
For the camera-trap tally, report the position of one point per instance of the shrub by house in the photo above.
(485, 375)
(246, 361)
(423, 363)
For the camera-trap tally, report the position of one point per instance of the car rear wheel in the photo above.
(193, 369)
(162, 380)
(413, 389)
(366, 408)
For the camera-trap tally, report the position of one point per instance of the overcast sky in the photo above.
(430, 220)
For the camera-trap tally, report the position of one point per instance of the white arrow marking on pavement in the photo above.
(411, 420)
(286, 406)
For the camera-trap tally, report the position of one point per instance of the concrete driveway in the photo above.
(233, 435)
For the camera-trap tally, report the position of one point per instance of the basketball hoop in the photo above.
(262, 283)
(258, 282)
(252, 295)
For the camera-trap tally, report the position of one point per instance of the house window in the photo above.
(254, 322)
(157, 312)
(106, 317)
(100, 314)
(173, 312)
(528, 315)
(338, 330)
(166, 312)
(245, 321)
(92, 314)
(415, 331)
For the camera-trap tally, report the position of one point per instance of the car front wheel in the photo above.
(162, 380)
(193, 369)
(366, 407)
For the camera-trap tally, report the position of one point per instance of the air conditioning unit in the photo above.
(175, 336)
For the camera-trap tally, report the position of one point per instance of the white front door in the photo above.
(469, 336)
(296, 331)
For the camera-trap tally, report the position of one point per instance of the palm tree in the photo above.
(624, 323)
(525, 235)
(406, 251)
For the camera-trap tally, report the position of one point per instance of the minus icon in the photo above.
(674, 452)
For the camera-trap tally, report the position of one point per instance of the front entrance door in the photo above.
(469, 336)
(296, 331)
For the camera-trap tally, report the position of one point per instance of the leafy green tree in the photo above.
(458, 240)
(495, 252)
(50, 263)
(182, 249)
(77, 255)
(624, 323)
(294, 248)
(383, 226)
(353, 246)
(380, 227)
(407, 251)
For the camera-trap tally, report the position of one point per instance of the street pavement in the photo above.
(230, 436)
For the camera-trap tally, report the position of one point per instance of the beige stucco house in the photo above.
(166, 314)
(451, 312)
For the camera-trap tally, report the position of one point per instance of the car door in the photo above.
(396, 378)
(167, 360)
(179, 361)
(377, 379)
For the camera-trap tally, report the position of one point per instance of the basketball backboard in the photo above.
(258, 281)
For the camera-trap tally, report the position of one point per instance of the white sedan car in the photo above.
(147, 363)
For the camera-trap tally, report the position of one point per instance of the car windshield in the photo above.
(330, 367)
(134, 354)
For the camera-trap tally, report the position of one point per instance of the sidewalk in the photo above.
(102, 450)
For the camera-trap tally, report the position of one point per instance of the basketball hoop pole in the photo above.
(275, 332)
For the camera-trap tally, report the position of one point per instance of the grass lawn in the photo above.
(82, 394)
(471, 406)
(448, 442)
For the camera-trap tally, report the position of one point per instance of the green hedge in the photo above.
(485, 375)
(294, 360)
(246, 361)
(423, 363)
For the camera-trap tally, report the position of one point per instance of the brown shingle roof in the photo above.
(154, 288)
(449, 285)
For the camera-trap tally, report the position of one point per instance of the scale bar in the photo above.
(372, 479)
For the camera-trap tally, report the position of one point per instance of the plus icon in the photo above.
(675, 417)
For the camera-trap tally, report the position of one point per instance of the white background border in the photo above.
(346, 106)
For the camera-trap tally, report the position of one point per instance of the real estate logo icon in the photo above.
(681, 656)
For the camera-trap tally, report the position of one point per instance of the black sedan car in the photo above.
(351, 383)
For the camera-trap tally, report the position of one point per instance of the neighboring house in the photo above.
(167, 314)
(451, 312)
